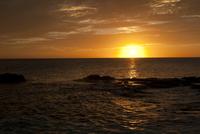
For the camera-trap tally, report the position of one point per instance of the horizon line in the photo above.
(56, 58)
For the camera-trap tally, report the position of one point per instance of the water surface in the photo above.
(70, 69)
(51, 103)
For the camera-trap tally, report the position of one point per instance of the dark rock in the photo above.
(144, 83)
(164, 83)
(98, 78)
(107, 78)
(11, 78)
(93, 77)
(158, 83)
(195, 86)
(190, 80)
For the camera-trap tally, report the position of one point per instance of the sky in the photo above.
(98, 28)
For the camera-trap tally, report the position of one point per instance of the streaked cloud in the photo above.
(21, 41)
(118, 30)
(93, 21)
(191, 16)
(60, 35)
(77, 11)
(169, 1)
(109, 31)
(66, 22)
(107, 21)
(158, 22)
(165, 6)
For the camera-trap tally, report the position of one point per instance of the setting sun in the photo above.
(132, 51)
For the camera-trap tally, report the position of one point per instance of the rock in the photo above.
(164, 83)
(144, 83)
(11, 78)
(158, 83)
(195, 86)
(190, 80)
(92, 77)
(96, 78)
(107, 78)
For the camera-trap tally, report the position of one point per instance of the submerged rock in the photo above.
(11, 78)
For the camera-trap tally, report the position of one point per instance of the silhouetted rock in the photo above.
(158, 83)
(164, 83)
(107, 78)
(11, 78)
(94, 78)
(143, 83)
(190, 80)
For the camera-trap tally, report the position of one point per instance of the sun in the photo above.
(132, 51)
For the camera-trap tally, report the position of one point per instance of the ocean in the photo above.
(51, 102)
(62, 70)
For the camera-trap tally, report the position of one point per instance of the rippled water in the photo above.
(48, 104)
(60, 108)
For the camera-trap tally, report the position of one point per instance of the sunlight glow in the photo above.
(132, 51)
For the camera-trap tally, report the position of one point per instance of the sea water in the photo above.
(50, 102)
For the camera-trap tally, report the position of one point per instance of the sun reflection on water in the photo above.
(139, 113)
(132, 73)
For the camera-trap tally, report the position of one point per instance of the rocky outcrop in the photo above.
(11, 78)
(193, 82)
(97, 78)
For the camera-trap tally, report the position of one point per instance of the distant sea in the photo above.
(62, 70)
(50, 102)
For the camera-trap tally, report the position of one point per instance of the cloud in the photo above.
(163, 7)
(158, 22)
(76, 8)
(118, 30)
(28, 21)
(21, 41)
(168, 1)
(108, 31)
(77, 11)
(93, 21)
(60, 35)
(90, 21)
(191, 16)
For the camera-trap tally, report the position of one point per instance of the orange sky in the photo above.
(98, 28)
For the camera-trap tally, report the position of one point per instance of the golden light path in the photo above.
(132, 51)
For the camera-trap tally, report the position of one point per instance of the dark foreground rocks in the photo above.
(9, 78)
